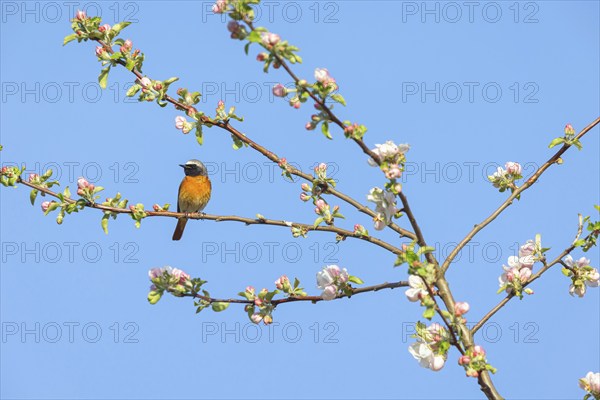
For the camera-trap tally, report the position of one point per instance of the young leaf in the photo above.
(218, 307)
(69, 38)
(103, 77)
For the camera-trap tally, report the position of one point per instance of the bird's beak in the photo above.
(182, 165)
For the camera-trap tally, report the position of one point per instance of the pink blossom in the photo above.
(305, 187)
(104, 28)
(329, 293)
(256, 318)
(270, 39)
(82, 183)
(463, 360)
(45, 206)
(100, 50)
(461, 308)
(304, 197)
(80, 15)
(126, 47)
(513, 168)
(155, 273)
(180, 122)
(33, 177)
(279, 90)
(320, 206)
(281, 282)
(478, 351)
(322, 76)
(219, 7)
(250, 289)
(569, 131)
(393, 172)
(437, 363)
(146, 82)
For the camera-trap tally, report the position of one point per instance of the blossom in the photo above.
(417, 290)
(393, 172)
(330, 280)
(100, 50)
(104, 28)
(426, 357)
(513, 168)
(461, 308)
(219, 7)
(569, 131)
(385, 205)
(582, 275)
(591, 383)
(33, 177)
(279, 90)
(80, 15)
(146, 82)
(256, 318)
(388, 151)
(126, 46)
(182, 124)
(46, 205)
(322, 76)
(269, 39)
(304, 196)
(282, 282)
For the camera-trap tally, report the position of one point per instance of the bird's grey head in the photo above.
(194, 168)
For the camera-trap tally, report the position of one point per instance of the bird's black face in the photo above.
(194, 168)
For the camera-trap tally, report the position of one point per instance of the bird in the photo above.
(194, 193)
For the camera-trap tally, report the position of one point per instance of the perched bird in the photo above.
(194, 193)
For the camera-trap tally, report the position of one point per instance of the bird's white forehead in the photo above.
(195, 162)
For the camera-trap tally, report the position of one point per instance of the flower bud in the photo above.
(279, 90)
(513, 168)
(156, 207)
(100, 51)
(82, 183)
(268, 320)
(461, 308)
(233, 26)
(45, 206)
(261, 57)
(478, 351)
(80, 15)
(464, 360)
(304, 197)
(306, 187)
(33, 177)
(256, 318)
(569, 131)
(104, 28)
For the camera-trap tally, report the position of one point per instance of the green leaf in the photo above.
(254, 37)
(318, 221)
(199, 137)
(130, 64)
(104, 223)
(218, 306)
(116, 28)
(247, 47)
(565, 271)
(577, 144)
(325, 130)
(32, 196)
(556, 141)
(356, 280)
(133, 90)
(429, 313)
(69, 38)
(339, 98)
(103, 77)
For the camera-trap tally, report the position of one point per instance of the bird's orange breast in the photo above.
(194, 193)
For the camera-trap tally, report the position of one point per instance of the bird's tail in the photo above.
(179, 228)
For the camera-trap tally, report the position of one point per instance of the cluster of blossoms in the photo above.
(474, 361)
(332, 280)
(237, 30)
(591, 384)
(84, 188)
(391, 155)
(385, 207)
(172, 280)
(519, 269)
(183, 124)
(262, 301)
(431, 347)
(9, 175)
(504, 178)
(581, 274)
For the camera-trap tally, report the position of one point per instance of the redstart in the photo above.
(194, 193)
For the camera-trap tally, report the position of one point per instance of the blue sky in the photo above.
(467, 88)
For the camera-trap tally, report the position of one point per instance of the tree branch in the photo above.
(514, 196)
(312, 299)
(343, 233)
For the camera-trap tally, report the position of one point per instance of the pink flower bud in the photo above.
(131, 208)
(569, 131)
(33, 177)
(310, 126)
(219, 7)
(472, 373)
(304, 197)
(320, 204)
(104, 28)
(295, 102)
(279, 90)
(270, 39)
(80, 15)
(261, 57)
(45, 206)
(437, 363)
(156, 207)
(513, 168)
(461, 308)
(221, 104)
(279, 283)
(464, 360)
(146, 82)
(305, 187)
(478, 351)
(393, 172)
(256, 318)
(126, 47)
(4, 170)
(99, 51)
(250, 289)
(282, 162)
(179, 122)
(258, 301)
(82, 183)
